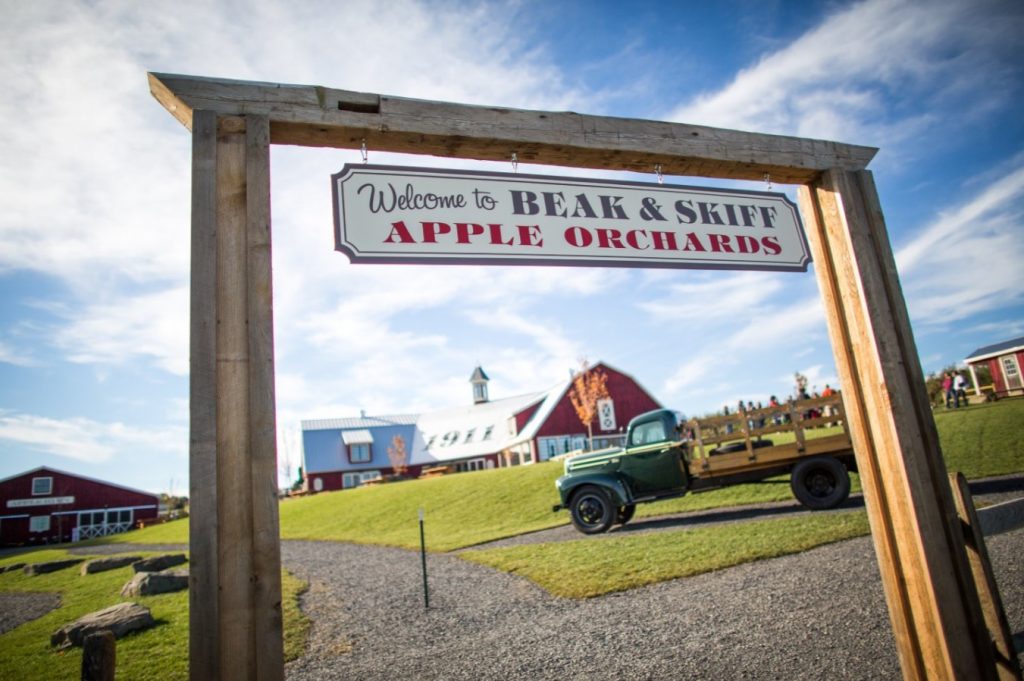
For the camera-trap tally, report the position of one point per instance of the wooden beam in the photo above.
(234, 473)
(308, 115)
(202, 592)
(932, 602)
(235, 579)
(998, 626)
(266, 569)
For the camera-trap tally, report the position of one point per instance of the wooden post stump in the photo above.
(99, 656)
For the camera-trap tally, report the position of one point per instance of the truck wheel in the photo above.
(592, 510)
(820, 483)
(625, 514)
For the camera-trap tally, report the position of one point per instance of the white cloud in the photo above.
(87, 440)
(17, 357)
(969, 259)
(152, 326)
(715, 296)
(840, 79)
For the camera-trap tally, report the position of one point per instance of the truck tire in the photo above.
(820, 483)
(625, 514)
(592, 509)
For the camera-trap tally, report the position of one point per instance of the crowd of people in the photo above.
(781, 414)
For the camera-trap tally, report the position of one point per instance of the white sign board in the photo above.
(39, 501)
(606, 413)
(387, 214)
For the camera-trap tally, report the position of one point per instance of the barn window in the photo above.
(39, 523)
(359, 453)
(349, 480)
(42, 487)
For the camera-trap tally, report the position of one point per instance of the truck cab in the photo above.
(603, 487)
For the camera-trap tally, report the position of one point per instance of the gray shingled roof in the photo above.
(997, 348)
(478, 375)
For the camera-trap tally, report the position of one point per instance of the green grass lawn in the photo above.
(586, 568)
(472, 508)
(157, 654)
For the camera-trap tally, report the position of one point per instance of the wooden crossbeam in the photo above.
(309, 115)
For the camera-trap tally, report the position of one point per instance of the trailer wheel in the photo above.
(625, 514)
(592, 509)
(820, 483)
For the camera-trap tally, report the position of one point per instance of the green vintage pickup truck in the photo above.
(667, 456)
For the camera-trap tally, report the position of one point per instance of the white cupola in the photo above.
(479, 380)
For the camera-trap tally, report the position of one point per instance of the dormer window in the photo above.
(359, 444)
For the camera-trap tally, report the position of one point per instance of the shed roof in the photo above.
(996, 349)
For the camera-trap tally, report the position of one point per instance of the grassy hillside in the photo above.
(471, 508)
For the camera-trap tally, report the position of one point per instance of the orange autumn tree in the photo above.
(588, 386)
(398, 455)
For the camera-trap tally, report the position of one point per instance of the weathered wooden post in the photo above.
(235, 577)
(933, 604)
(99, 656)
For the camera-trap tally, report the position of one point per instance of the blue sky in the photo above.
(94, 177)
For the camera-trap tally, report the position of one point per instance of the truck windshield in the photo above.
(647, 433)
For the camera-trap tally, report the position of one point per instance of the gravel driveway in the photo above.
(815, 615)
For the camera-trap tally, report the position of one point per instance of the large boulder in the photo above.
(51, 566)
(104, 564)
(119, 620)
(152, 583)
(158, 563)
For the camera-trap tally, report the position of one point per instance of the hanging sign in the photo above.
(388, 214)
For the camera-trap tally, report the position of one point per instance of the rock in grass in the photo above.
(158, 563)
(11, 568)
(51, 566)
(151, 583)
(119, 619)
(104, 564)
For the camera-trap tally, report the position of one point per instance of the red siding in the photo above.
(89, 495)
(523, 417)
(629, 398)
(997, 374)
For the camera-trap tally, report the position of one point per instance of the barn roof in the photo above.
(80, 477)
(996, 349)
(360, 422)
(472, 430)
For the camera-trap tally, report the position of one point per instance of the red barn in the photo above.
(511, 431)
(46, 506)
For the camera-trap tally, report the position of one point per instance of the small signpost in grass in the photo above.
(423, 562)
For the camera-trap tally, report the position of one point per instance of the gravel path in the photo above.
(18, 608)
(815, 615)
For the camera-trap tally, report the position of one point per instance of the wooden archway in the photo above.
(235, 576)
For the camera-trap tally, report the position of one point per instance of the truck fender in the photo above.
(615, 486)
